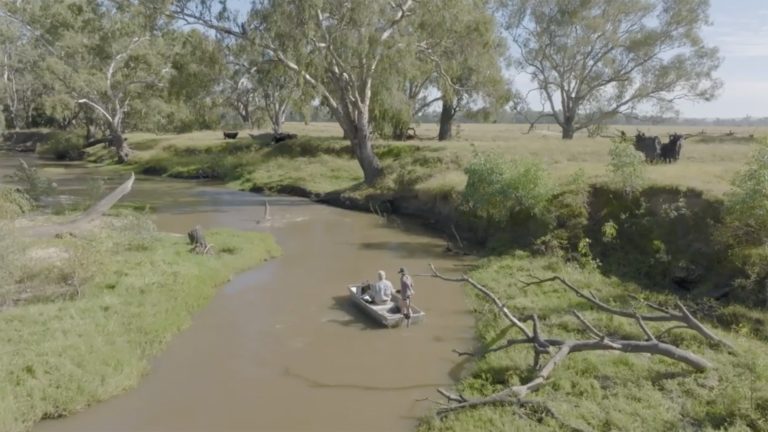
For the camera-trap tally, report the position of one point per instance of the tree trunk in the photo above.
(90, 134)
(278, 118)
(446, 120)
(121, 147)
(361, 146)
(568, 129)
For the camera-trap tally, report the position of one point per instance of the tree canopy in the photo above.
(374, 66)
(594, 59)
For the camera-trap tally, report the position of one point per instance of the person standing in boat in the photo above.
(381, 291)
(406, 291)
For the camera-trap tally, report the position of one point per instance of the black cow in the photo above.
(650, 146)
(230, 135)
(282, 136)
(670, 151)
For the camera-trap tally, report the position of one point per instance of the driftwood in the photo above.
(448, 247)
(559, 349)
(84, 219)
(266, 217)
(198, 242)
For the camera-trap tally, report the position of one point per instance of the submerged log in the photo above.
(198, 242)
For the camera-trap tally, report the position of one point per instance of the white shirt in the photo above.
(382, 291)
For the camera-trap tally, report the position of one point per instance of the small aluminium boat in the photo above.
(387, 314)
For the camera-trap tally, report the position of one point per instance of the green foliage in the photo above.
(32, 183)
(745, 209)
(62, 146)
(627, 167)
(93, 304)
(621, 65)
(230, 121)
(14, 203)
(497, 187)
(599, 391)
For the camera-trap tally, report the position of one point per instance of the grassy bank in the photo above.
(321, 161)
(579, 208)
(604, 390)
(82, 317)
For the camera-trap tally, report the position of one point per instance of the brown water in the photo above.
(280, 348)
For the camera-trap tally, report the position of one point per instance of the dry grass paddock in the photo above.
(707, 163)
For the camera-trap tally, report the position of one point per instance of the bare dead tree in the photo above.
(559, 349)
(266, 217)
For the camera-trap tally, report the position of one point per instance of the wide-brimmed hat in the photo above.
(402, 271)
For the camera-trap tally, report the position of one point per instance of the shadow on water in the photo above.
(312, 383)
(407, 250)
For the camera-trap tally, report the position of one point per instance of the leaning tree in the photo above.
(592, 60)
(334, 47)
(99, 54)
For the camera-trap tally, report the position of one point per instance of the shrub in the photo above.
(62, 146)
(33, 184)
(497, 187)
(14, 203)
(627, 166)
(745, 209)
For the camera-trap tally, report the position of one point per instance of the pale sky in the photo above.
(741, 31)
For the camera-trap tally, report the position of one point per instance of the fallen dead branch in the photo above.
(84, 219)
(266, 217)
(449, 249)
(683, 316)
(375, 210)
(198, 242)
(411, 135)
(559, 349)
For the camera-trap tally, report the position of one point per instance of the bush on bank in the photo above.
(623, 236)
(80, 318)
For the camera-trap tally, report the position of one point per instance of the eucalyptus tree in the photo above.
(593, 59)
(280, 91)
(474, 54)
(400, 94)
(335, 47)
(262, 88)
(100, 53)
(21, 92)
(195, 87)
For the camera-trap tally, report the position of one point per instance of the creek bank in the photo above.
(90, 312)
(656, 233)
(22, 141)
(664, 238)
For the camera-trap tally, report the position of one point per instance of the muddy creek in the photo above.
(281, 348)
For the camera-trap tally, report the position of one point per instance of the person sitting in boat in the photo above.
(381, 291)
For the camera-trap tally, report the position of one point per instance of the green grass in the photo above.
(94, 310)
(601, 391)
(604, 391)
(321, 160)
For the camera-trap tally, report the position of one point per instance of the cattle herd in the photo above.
(656, 151)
